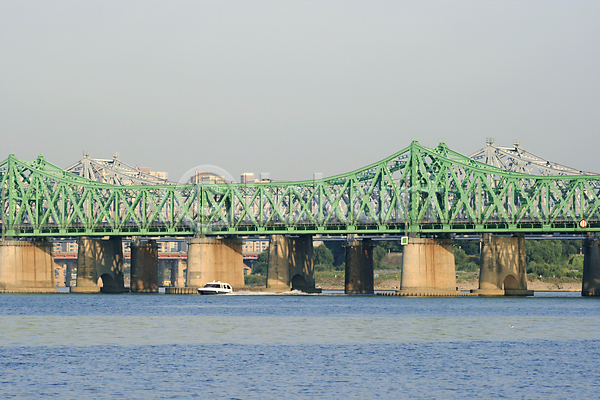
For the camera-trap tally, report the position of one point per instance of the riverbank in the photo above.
(393, 283)
(537, 285)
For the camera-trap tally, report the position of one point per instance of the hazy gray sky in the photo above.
(296, 87)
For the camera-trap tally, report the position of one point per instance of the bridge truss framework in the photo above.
(418, 190)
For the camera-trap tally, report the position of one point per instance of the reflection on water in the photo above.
(141, 346)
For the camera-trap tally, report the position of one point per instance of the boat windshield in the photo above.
(213, 285)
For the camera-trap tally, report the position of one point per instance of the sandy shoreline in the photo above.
(393, 284)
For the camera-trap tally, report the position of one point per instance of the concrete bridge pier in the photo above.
(428, 267)
(69, 266)
(278, 270)
(144, 266)
(178, 273)
(26, 266)
(291, 264)
(591, 267)
(503, 270)
(68, 274)
(99, 258)
(173, 271)
(215, 260)
(359, 267)
(60, 279)
(174, 267)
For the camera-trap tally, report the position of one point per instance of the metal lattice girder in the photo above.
(517, 159)
(113, 171)
(415, 190)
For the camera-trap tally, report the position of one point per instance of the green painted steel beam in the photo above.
(418, 190)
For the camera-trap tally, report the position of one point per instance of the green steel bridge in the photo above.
(417, 190)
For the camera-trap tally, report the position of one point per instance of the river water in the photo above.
(298, 346)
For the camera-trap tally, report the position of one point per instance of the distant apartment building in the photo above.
(253, 247)
(68, 249)
(158, 174)
(65, 248)
(205, 177)
(247, 177)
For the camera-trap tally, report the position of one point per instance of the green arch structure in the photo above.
(416, 190)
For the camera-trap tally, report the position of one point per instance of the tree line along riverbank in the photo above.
(550, 263)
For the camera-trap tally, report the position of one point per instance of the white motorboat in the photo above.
(216, 287)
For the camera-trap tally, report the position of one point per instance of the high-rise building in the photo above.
(247, 177)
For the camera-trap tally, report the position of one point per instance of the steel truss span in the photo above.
(415, 190)
(113, 171)
(517, 159)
